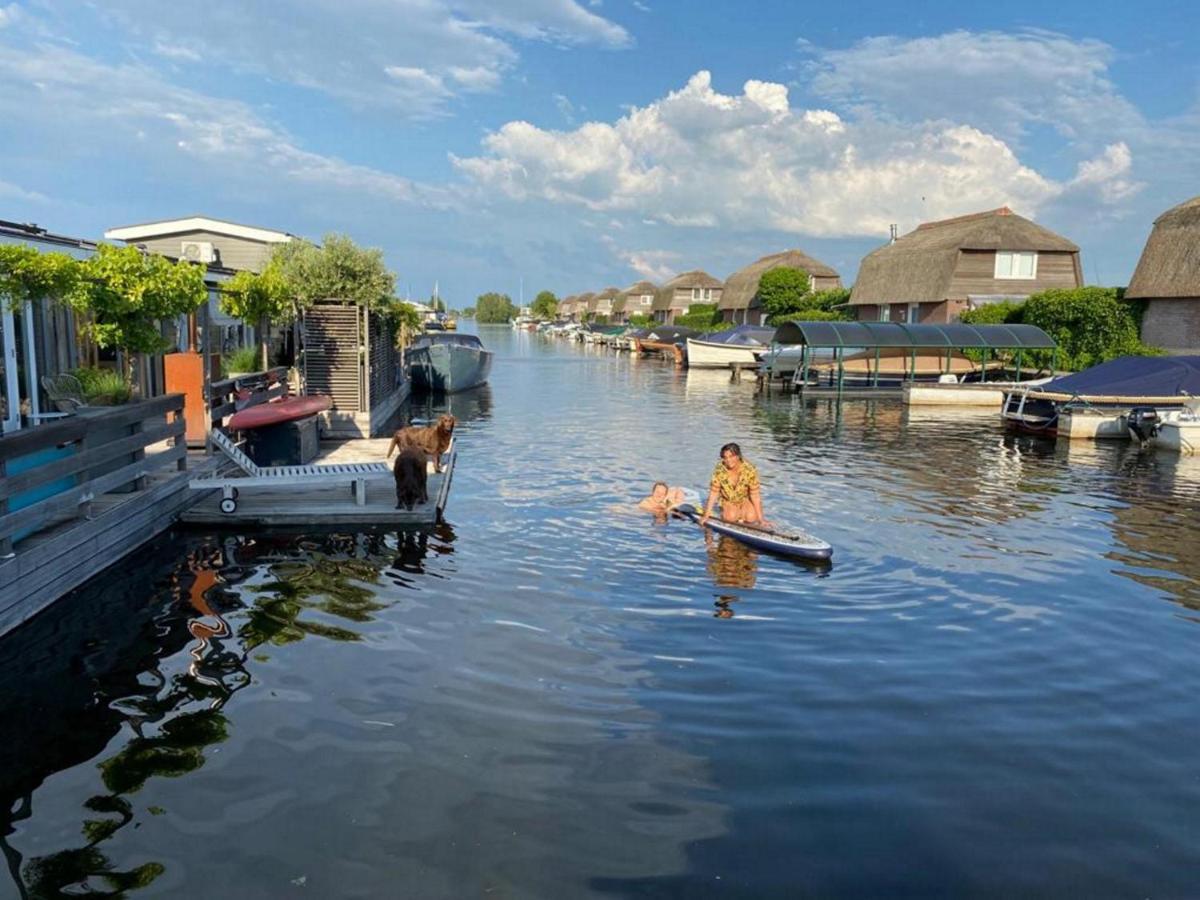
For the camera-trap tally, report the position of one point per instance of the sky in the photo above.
(572, 145)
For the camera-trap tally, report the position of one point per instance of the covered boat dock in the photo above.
(871, 342)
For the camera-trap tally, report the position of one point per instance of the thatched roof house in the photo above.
(566, 307)
(942, 268)
(602, 303)
(1168, 278)
(739, 301)
(673, 298)
(635, 300)
(584, 304)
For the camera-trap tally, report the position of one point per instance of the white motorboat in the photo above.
(741, 344)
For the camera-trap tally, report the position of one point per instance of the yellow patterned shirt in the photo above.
(740, 492)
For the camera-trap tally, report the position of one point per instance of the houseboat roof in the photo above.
(957, 335)
(1170, 262)
(742, 285)
(162, 227)
(686, 280)
(918, 267)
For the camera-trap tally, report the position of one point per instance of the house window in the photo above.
(885, 313)
(914, 313)
(1010, 264)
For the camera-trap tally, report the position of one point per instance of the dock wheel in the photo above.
(228, 505)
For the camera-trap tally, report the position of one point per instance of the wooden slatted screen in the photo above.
(332, 338)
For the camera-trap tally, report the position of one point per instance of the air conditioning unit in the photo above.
(198, 251)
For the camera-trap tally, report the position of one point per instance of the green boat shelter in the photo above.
(894, 338)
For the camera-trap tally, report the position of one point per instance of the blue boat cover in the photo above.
(741, 336)
(1134, 376)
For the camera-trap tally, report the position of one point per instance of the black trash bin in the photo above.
(294, 443)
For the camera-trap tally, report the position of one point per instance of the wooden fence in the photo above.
(226, 397)
(97, 452)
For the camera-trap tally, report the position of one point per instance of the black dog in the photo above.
(411, 478)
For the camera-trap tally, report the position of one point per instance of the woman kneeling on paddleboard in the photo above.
(735, 484)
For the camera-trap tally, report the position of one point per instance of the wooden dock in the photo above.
(331, 505)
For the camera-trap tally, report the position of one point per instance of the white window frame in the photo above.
(913, 316)
(885, 312)
(1007, 265)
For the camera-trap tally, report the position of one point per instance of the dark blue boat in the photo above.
(448, 362)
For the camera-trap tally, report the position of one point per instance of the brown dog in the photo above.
(411, 477)
(433, 440)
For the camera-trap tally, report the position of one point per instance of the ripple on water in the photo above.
(553, 695)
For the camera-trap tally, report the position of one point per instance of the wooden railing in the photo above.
(105, 451)
(224, 397)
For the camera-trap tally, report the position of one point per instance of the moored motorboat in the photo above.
(740, 344)
(448, 362)
(669, 340)
(1161, 389)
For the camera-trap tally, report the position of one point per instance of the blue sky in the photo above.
(580, 144)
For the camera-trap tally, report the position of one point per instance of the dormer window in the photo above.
(1012, 264)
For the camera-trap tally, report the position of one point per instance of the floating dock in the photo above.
(321, 505)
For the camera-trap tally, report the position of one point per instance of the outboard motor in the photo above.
(1143, 422)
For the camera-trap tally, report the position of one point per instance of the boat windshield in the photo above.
(448, 337)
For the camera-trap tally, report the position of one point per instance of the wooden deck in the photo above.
(332, 505)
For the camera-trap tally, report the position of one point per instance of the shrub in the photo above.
(1090, 324)
(244, 359)
(809, 315)
(637, 320)
(1005, 312)
(103, 387)
(702, 317)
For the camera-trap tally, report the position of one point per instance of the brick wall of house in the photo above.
(1173, 325)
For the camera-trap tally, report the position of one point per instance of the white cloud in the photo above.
(9, 14)
(655, 265)
(566, 107)
(1003, 83)
(351, 49)
(701, 158)
(116, 110)
(15, 192)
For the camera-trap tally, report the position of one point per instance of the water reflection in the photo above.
(193, 630)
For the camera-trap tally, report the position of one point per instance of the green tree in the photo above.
(544, 306)
(1002, 312)
(468, 312)
(128, 292)
(492, 308)
(27, 276)
(784, 290)
(337, 270)
(260, 299)
(821, 306)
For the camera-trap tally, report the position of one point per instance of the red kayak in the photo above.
(279, 411)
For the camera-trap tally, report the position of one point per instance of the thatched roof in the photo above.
(585, 302)
(742, 286)
(608, 294)
(688, 280)
(634, 290)
(919, 266)
(1170, 263)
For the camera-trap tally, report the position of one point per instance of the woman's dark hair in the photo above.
(663, 483)
(731, 448)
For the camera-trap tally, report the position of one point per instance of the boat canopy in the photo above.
(956, 335)
(741, 336)
(1132, 376)
(671, 334)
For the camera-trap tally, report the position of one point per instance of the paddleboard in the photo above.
(785, 541)
(279, 411)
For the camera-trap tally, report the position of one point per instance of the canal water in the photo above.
(992, 692)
